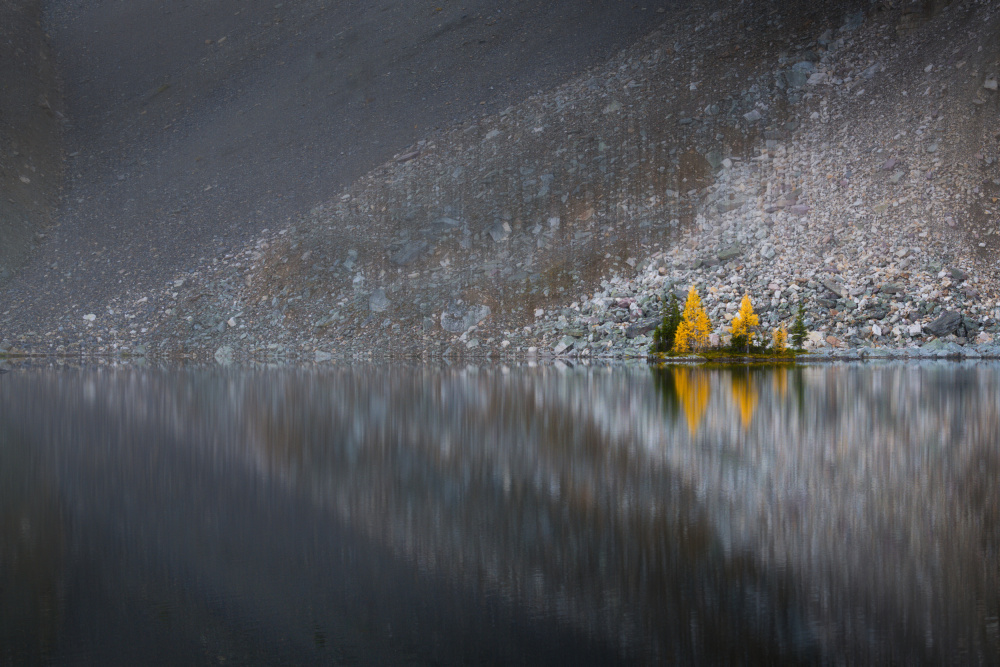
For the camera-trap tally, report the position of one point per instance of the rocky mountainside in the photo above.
(845, 157)
(31, 121)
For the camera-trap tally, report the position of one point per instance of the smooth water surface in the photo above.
(492, 515)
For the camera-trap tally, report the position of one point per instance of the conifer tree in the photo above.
(702, 328)
(779, 339)
(682, 340)
(799, 332)
(666, 332)
(694, 328)
(743, 325)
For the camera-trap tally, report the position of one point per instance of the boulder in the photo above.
(457, 319)
(834, 287)
(948, 323)
(409, 253)
(378, 302)
(642, 327)
(730, 252)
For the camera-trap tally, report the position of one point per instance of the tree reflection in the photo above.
(745, 394)
(693, 391)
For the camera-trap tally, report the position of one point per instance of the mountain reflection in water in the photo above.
(387, 515)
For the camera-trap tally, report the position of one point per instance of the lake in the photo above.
(493, 515)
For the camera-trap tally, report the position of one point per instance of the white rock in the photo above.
(914, 329)
(876, 330)
(539, 312)
(90, 317)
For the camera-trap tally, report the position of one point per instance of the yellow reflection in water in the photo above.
(781, 381)
(744, 395)
(693, 387)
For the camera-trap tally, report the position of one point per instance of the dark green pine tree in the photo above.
(664, 334)
(798, 331)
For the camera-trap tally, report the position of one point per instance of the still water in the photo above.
(493, 515)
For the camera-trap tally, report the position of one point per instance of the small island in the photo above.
(686, 334)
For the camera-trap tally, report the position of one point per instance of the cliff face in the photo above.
(30, 131)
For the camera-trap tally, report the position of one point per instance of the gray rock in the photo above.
(727, 204)
(564, 344)
(224, 355)
(794, 78)
(378, 302)
(498, 232)
(958, 274)
(853, 22)
(409, 253)
(322, 356)
(948, 322)
(457, 319)
(642, 327)
(752, 116)
(730, 252)
(950, 350)
(891, 288)
(834, 287)
(714, 158)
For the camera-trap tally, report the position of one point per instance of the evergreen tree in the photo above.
(694, 328)
(799, 332)
(666, 332)
(743, 326)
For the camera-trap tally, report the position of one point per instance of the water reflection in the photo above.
(543, 515)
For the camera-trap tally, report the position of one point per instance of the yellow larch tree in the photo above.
(695, 327)
(779, 339)
(743, 324)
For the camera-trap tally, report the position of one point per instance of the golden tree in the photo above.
(779, 339)
(693, 331)
(743, 325)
